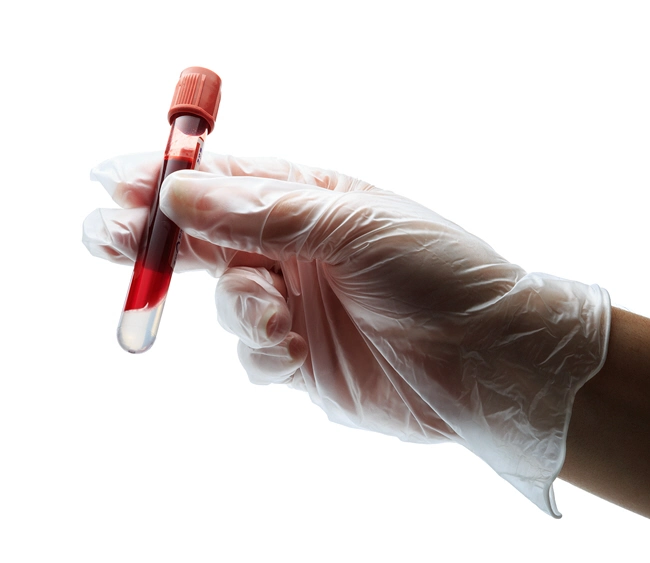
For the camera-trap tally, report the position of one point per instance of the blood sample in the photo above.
(192, 115)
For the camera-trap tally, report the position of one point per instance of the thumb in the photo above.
(275, 218)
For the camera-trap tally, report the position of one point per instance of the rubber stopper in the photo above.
(198, 92)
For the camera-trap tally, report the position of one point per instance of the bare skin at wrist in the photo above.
(608, 442)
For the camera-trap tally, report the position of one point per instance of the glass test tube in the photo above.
(192, 115)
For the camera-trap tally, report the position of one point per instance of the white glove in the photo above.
(392, 318)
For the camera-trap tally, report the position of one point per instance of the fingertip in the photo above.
(298, 348)
(278, 326)
(190, 199)
(94, 234)
(129, 179)
(99, 172)
(275, 364)
(249, 306)
(170, 190)
(180, 191)
(113, 234)
(175, 200)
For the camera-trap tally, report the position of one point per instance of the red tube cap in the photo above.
(198, 92)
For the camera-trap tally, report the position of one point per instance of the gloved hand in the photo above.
(392, 318)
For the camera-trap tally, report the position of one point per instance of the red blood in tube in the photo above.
(153, 270)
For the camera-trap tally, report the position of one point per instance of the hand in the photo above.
(392, 318)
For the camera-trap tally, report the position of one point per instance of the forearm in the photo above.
(608, 443)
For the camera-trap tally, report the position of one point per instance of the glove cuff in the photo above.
(539, 344)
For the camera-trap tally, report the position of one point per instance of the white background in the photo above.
(528, 123)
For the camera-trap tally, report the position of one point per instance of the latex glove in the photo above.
(392, 318)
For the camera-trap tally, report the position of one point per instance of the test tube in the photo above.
(192, 115)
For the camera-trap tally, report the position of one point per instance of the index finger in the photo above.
(132, 180)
